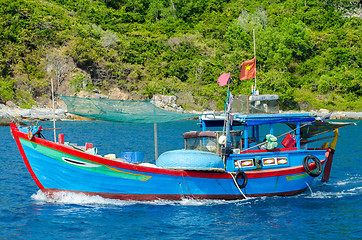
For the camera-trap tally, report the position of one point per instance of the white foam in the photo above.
(353, 191)
(324, 195)
(341, 194)
(77, 198)
(83, 199)
(353, 179)
(207, 202)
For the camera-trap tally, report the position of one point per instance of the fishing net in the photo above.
(121, 110)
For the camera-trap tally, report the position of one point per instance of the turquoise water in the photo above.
(326, 211)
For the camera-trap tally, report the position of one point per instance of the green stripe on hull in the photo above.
(82, 163)
(299, 176)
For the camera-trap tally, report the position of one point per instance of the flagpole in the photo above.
(227, 94)
(55, 135)
(255, 59)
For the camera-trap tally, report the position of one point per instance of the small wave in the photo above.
(353, 179)
(198, 202)
(341, 194)
(323, 195)
(356, 190)
(185, 202)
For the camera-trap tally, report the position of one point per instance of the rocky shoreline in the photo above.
(334, 115)
(17, 114)
(13, 113)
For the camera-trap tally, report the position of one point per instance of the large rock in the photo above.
(166, 102)
(9, 114)
(116, 93)
(5, 118)
(85, 94)
(6, 115)
(346, 115)
(41, 113)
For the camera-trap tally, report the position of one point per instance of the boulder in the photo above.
(5, 118)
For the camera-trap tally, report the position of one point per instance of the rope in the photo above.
(236, 184)
(309, 188)
(186, 184)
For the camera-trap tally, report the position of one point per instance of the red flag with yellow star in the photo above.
(248, 70)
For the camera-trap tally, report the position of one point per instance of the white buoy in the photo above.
(222, 140)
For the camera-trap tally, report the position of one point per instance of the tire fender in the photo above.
(318, 163)
(242, 175)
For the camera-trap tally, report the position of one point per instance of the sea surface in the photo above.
(325, 211)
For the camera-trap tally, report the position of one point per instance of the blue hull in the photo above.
(56, 167)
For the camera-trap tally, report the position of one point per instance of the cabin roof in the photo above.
(258, 119)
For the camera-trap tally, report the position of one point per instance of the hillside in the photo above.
(308, 51)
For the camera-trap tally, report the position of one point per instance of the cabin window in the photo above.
(202, 143)
(208, 140)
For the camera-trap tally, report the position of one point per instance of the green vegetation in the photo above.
(307, 51)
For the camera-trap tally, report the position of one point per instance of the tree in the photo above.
(59, 65)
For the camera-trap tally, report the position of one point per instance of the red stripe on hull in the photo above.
(25, 159)
(152, 197)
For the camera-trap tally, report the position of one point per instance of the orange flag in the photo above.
(248, 70)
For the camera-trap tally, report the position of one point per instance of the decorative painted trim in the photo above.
(297, 177)
(79, 163)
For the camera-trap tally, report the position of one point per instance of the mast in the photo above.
(155, 139)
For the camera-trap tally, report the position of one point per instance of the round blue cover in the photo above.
(190, 160)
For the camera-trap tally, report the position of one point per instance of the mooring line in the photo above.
(309, 188)
(236, 184)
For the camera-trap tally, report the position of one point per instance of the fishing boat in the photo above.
(228, 158)
(234, 161)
